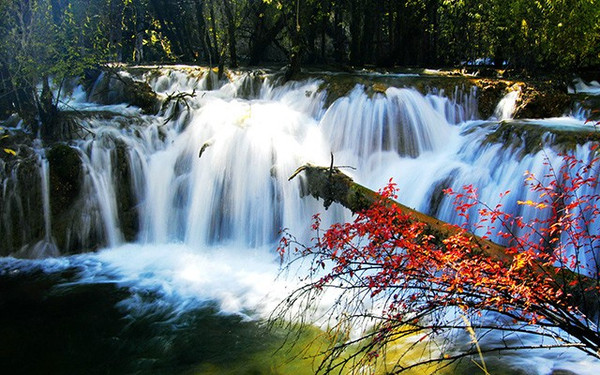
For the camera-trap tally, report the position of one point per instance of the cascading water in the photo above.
(507, 106)
(188, 203)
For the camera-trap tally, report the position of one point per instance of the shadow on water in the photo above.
(51, 325)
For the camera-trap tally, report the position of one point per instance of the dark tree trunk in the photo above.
(48, 112)
(207, 54)
(295, 62)
(116, 28)
(215, 42)
(263, 35)
(368, 34)
(231, 29)
(356, 18)
(339, 37)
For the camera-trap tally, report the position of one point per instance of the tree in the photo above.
(401, 279)
(44, 42)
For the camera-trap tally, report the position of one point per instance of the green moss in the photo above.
(542, 100)
(115, 89)
(530, 137)
(490, 92)
(141, 95)
(339, 85)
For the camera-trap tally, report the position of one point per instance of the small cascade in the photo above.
(462, 107)
(98, 164)
(45, 179)
(507, 105)
(581, 87)
(46, 247)
(401, 121)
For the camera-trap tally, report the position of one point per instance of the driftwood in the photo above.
(332, 185)
(178, 99)
(204, 147)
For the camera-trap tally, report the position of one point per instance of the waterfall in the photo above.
(187, 205)
(507, 105)
(212, 169)
(45, 177)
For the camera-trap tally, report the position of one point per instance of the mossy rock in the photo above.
(530, 137)
(542, 100)
(116, 89)
(65, 177)
(126, 201)
(141, 95)
(489, 94)
(588, 102)
(339, 85)
(23, 220)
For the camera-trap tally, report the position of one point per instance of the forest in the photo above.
(41, 38)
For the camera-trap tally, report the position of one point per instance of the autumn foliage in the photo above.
(400, 277)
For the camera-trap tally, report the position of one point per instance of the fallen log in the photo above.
(332, 185)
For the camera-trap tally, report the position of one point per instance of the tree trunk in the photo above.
(203, 33)
(297, 48)
(231, 40)
(47, 111)
(356, 14)
(215, 42)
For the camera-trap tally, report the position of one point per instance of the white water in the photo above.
(507, 105)
(208, 224)
(580, 87)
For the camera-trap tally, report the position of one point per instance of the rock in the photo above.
(489, 95)
(65, 185)
(114, 88)
(528, 137)
(126, 201)
(65, 177)
(562, 372)
(141, 95)
(542, 100)
(21, 203)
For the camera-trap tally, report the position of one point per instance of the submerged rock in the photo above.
(21, 208)
(65, 177)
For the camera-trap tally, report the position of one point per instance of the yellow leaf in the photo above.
(526, 203)
(9, 151)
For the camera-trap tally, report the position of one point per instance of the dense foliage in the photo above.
(525, 34)
(53, 38)
(405, 281)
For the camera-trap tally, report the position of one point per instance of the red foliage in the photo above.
(406, 264)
